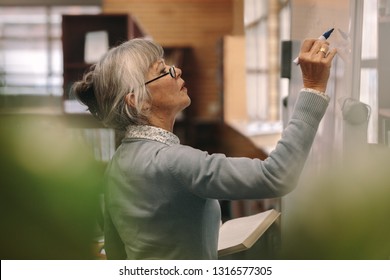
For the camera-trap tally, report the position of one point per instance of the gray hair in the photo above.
(122, 70)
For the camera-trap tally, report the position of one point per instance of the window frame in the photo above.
(42, 37)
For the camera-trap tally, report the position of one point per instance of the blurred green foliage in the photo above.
(49, 190)
(345, 213)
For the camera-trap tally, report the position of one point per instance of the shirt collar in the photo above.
(152, 133)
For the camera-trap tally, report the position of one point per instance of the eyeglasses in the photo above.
(171, 72)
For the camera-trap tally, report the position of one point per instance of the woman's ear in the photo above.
(130, 99)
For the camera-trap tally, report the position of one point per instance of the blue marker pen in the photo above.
(323, 37)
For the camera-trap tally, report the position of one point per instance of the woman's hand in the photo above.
(315, 61)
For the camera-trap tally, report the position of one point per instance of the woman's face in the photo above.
(169, 95)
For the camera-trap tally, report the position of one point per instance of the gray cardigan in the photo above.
(161, 198)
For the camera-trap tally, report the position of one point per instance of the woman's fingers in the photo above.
(331, 55)
(314, 49)
(323, 50)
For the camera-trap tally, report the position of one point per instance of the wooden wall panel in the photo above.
(198, 24)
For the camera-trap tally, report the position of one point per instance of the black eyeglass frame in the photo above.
(171, 72)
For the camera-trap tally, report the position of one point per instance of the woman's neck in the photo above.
(164, 123)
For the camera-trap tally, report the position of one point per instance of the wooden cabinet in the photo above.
(119, 27)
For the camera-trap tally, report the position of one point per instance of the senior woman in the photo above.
(161, 197)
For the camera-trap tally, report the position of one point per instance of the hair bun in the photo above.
(84, 92)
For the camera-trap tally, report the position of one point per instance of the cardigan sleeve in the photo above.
(220, 177)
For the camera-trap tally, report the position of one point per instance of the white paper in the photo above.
(96, 45)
